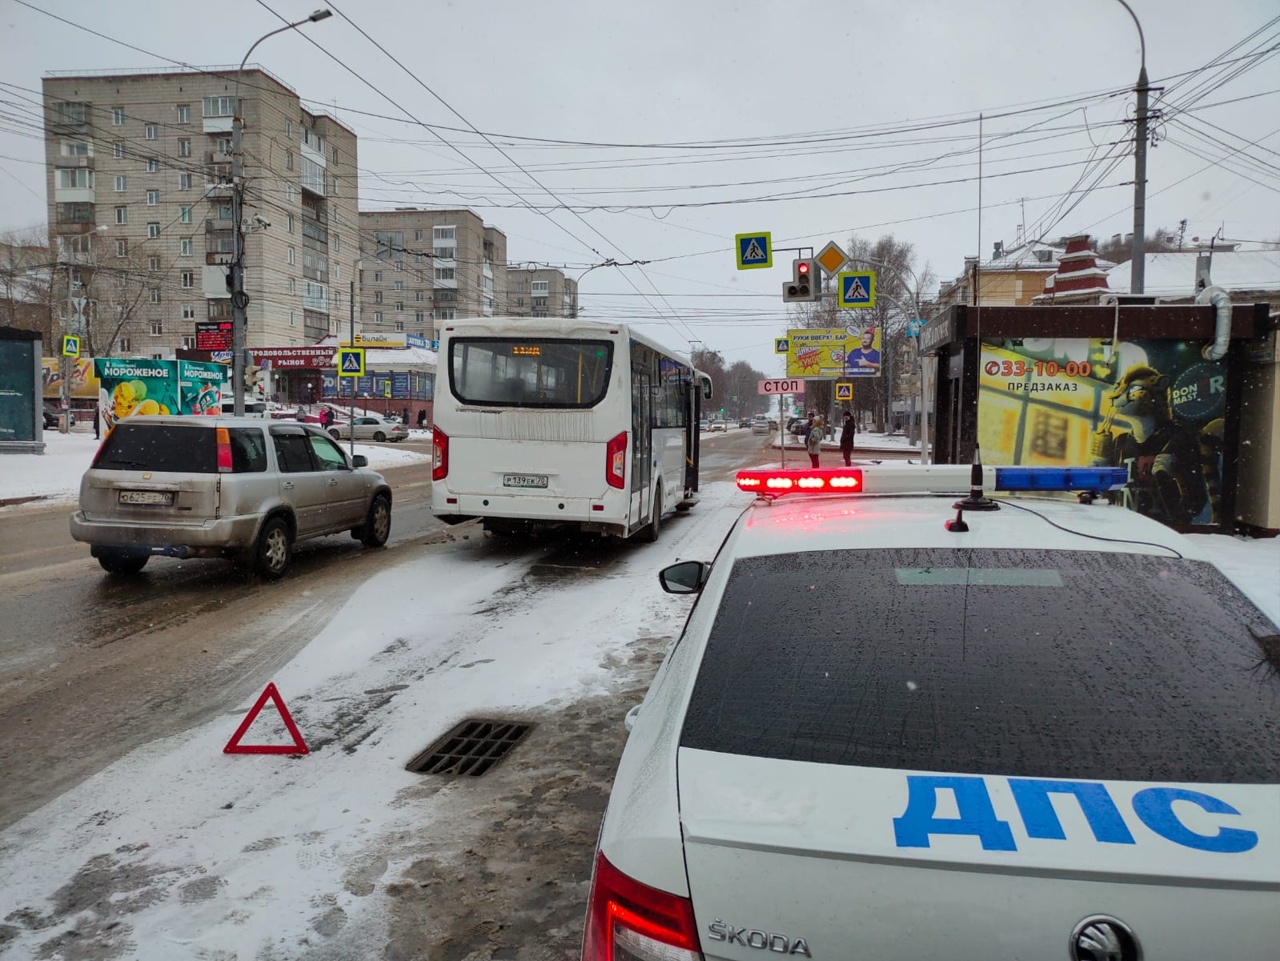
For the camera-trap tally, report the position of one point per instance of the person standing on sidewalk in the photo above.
(847, 430)
(813, 442)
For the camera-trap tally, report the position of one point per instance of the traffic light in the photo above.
(805, 285)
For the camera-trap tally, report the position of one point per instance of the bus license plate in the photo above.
(160, 498)
(524, 480)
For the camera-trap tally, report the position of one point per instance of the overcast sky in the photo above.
(861, 118)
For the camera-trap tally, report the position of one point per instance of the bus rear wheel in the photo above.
(649, 534)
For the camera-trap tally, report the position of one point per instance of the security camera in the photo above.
(261, 221)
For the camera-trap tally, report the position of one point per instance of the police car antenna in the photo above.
(976, 501)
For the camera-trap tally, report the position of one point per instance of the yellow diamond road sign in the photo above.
(832, 258)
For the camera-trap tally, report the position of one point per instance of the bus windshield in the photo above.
(529, 371)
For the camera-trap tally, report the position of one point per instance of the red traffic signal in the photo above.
(804, 287)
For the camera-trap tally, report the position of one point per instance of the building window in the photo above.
(225, 212)
(122, 248)
(153, 230)
(184, 148)
(444, 273)
(66, 112)
(288, 160)
(399, 285)
(399, 306)
(335, 186)
(445, 253)
(417, 236)
(188, 341)
(185, 215)
(292, 256)
(419, 317)
(75, 148)
(117, 149)
(188, 278)
(337, 273)
(122, 183)
(337, 242)
(377, 316)
(288, 222)
(219, 106)
(540, 288)
(122, 215)
(124, 344)
(446, 234)
(188, 311)
(153, 198)
(184, 113)
(224, 146)
(418, 295)
(187, 247)
(157, 328)
(399, 326)
(377, 276)
(75, 178)
(153, 165)
(377, 296)
(152, 132)
(153, 295)
(292, 318)
(288, 128)
(184, 181)
(117, 116)
(293, 285)
(153, 263)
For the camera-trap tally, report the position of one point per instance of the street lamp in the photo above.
(1137, 267)
(239, 299)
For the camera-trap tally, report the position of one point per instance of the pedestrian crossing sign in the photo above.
(351, 362)
(754, 250)
(70, 346)
(857, 288)
(844, 390)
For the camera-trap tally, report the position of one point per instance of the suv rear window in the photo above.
(170, 448)
(1020, 663)
(179, 449)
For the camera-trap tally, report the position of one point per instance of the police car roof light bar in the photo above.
(927, 479)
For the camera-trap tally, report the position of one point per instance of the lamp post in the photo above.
(1137, 267)
(75, 324)
(239, 299)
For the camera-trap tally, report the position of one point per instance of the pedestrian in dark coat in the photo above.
(422, 417)
(847, 430)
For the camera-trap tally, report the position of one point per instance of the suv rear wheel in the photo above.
(275, 548)
(118, 562)
(377, 525)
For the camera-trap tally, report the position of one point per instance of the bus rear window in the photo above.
(529, 372)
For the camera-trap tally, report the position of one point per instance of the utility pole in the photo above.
(1137, 266)
(64, 425)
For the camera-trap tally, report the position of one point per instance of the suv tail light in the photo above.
(224, 450)
(630, 921)
(439, 454)
(615, 461)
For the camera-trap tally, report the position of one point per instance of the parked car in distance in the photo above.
(243, 488)
(373, 427)
(704, 425)
(50, 417)
(718, 425)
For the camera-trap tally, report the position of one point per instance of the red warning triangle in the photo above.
(297, 747)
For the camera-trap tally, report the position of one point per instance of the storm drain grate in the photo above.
(471, 748)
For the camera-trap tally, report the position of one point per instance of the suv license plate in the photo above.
(524, 480)
(160, 498)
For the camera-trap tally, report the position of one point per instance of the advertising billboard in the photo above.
(833, 352)
(134, 387)
(83, 382)
(1153, 406)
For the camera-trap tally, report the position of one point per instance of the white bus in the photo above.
(550, 421)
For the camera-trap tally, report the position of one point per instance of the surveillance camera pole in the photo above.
(240, 299)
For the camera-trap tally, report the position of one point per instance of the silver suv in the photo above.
(241, 488)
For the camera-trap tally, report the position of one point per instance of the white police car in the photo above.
(1048, 731)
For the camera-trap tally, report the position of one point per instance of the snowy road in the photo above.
(180, 851)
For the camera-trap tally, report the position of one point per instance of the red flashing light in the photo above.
(822, 480)
(224, 450)
(439, 454)
(626, 917)
(615, 461)
(803, 268)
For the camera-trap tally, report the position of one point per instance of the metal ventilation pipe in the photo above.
(1222, 327)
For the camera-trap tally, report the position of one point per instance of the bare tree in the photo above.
(26, 272)
(116, 281)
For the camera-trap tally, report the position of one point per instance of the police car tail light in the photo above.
(630, 921)
(615, 461)
(928, 479)
(439, 454)
(224, 450)
(775, 483)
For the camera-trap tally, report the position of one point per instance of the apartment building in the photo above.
(539, 292)
(140, 205)
(421, 267)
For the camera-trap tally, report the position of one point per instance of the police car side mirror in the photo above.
(687, 577)
(359, 461)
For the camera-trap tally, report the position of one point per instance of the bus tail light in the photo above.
(630, 920)
(224, 450)
(615, 461)
(439, 454)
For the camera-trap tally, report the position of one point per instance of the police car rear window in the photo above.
(1022, 663)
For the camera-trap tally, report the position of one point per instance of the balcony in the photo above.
(313, 235)
(315, 297)
(70, 117)
(217, 179)
(74, 218)
(82, 161)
